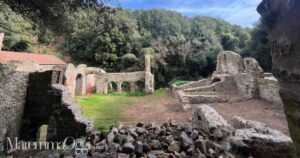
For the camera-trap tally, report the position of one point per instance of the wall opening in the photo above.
(140, 86)
(125, 87)
(216, 79)
(91, 81)
(79, 85)
(112, 87)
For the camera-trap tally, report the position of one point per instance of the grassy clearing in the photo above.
(106, 109)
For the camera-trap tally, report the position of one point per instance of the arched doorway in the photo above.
(79, 85)
(112, 87)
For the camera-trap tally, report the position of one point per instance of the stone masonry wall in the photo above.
(12, 99)
(233, 74)
(100, 80)
(29, 100)
(51, 105)
(71, 73)
(268, 90)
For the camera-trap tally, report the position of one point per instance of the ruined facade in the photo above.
(29, 99)
(233, 74)
(77, 79)
(281, 19)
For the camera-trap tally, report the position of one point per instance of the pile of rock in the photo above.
(152, 140)
(206, 135)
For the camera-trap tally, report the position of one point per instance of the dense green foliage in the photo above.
(258, 47)
(184, 48)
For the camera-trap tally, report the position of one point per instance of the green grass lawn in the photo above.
(106, 109)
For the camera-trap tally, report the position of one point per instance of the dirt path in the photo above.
(161, 109)
(155, 109)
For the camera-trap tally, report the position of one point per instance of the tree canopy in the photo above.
(185, 48)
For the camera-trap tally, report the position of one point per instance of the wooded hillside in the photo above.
(185, 48)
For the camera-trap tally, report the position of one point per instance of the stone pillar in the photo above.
(119, 87)
(149, 78)
(132, 87)
(148, 62)
(281, 19)
(1, 40)
(105, 90)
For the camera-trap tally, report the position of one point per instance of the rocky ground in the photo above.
(206, 135)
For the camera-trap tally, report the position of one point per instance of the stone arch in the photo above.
(112, 86)
(71, 75)
(79, 84)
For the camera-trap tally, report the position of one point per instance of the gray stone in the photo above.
(155, 144)
(200, 144)
(174, 146)
(211, 122)
(120, 139)
(140, 130)
(110, 138)
(139, 147)
(128, 148)
(187, 141)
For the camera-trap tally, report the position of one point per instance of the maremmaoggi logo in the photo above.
(81, 147)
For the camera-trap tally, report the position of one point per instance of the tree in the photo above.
(258, 47)
(19, 33)
(52, 14)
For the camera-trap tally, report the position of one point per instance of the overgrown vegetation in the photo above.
(106, 109)
(115, 39)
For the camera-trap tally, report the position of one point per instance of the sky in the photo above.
(240, 12)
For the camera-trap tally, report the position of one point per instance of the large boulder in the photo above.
(261, 141)
(281, 18)
(208, 120)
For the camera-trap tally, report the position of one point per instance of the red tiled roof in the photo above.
(41, 59)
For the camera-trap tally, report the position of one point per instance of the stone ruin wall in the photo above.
(105, 79)
(101, 80)
(251, 81)
(15, 96)
(13, 86)
(233, 75)
(71, 73)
